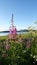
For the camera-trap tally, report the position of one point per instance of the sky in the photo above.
(24, 11)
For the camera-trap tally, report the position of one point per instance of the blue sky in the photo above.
(25, 13)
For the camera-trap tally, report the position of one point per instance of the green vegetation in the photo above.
(21, 51)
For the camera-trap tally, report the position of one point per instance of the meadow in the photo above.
(19, 51)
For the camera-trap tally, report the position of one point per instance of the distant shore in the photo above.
(17, 31)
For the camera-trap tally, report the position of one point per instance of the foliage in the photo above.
(18, 53)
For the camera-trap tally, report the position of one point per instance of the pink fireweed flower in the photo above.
(14, 31)
(10, 34)
(7, 45)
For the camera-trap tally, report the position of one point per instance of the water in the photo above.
(3, 34)
(6, 33)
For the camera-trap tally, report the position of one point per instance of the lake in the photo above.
(6, 33)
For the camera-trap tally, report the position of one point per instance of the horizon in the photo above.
(25, 13)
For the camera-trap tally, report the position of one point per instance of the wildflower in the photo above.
(7, 45)
(12, 33)
(30, 54)
(34, 56)
(36, 59)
